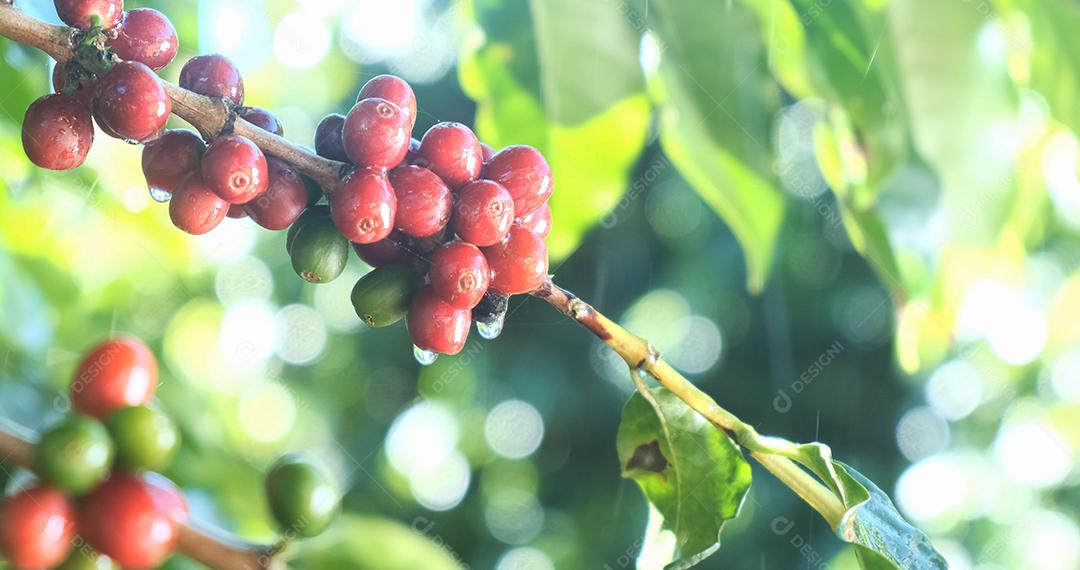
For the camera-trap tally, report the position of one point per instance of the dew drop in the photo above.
(490, 329)
(424, 357)
(159, 195)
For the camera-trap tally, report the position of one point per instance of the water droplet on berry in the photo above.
(424, 357)
(490, 329)
(159, 195)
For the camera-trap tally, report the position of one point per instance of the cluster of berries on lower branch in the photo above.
(99, 500)
(452, 227)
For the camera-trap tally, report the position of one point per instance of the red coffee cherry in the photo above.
(235, 168)
(395, 90)
(130, 102)
(452, 151)
(213, 75)
(57, 132)
(167, 496)
(363, 208)
(37, 528)
(263, 119)
(167, 161)
(285, 198)
(328, 143)
(519, 263)
(194, 206)
(414, 151)
(459, 274)
(79, 13)
(394, 249)
(82, 92)
(145, 36)
(129, 520)
(538, 222)
(487, 152)
(117, 373)
(376, 134)
(423, 201)
(525, 174)
(483, 213)
(436, 325)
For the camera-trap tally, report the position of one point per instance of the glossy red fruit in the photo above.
(57, 132)
(117, 373)
(525, 174)
(539, 221)
(263, 119)
(37, 528)
(130, 102)
(394, 249)
(364, 207)
(213, 75)
(83, 92)
(194, 206)
(395, 90)
(459, 274)
(167, 161)
(452, 151)
(80, 13)
(487, 152)
(424, 201)
(328, 143)
(519, 263)
(436, 325)
(129, 520)
(414, 151)
(286, 197)
(376, 134)
(235, 169)
(146, 36)
(483, 213)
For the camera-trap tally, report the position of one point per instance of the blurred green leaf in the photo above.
(693, 475)
(588, 115)
(370, 543)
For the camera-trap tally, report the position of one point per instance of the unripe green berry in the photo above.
(145, 438)
(302, 498)
(381, 298)
(74, 455)
(319, 252)
(83, 557)
(312, 213)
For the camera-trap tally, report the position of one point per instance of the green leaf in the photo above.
(716, 103)
(588, 115)
(694, 477)
(370, 543)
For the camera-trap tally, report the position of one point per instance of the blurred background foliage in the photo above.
(853, 221)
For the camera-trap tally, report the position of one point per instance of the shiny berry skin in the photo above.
(525, 174)
(147, 36)
(519, 263)
(285, 198)
(302, 498)
(235, 169)
(394, 249)
(538, 222)
(364, 206)
(263, 119)
(487, 152)
(74, 455)
(436, 325)
(483, 213)
(424, 201)
(376, 134)
(145, 438)
(459, 274)
(318, 251)
(37, 527)
(57, 132)
(194, 206)
(83, 92)
(452, 151)
(169, 498)
(116, 373)
(128, 520)
(414, 151)
(213, 75)
(167, 161)
(80, 13)
(395, 90)
(328, 143)
(130, 102)
(381, 297)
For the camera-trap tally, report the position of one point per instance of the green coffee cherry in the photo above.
(381, 298)
(146, 438)
(319, 251)
(302, 498)
(312, 213)
(83, 557)
(74, 455)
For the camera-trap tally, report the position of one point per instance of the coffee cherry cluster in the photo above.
(99, 499)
